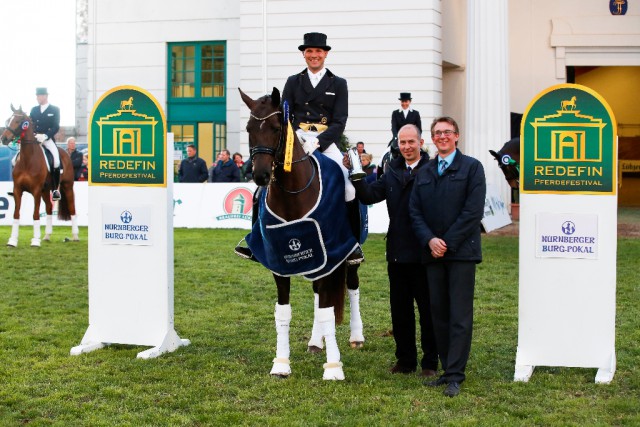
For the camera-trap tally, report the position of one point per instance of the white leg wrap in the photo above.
(316, 333)
(333, 367)
(283, 319)
(15, 231)
(74, 227)
(48, 229)
(36, 233)
(355, 322)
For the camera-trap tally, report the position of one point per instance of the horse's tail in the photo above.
(63, 205)
(338, 290)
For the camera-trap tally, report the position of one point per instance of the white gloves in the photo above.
(41, 137)
(310, 145)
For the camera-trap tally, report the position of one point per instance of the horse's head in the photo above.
(265, 134)
(16, 126)
(509, 161)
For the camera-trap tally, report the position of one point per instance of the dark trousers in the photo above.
(408, 283)
(451, 286)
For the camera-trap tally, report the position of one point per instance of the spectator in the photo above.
(407, 278)
(83, 171)
(447, 204)
(76, 157)
(193, 168)
(367, 163)
(225, 170)
(360, 147)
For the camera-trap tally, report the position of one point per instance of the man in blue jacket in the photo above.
(193, 168)
(407, 277)
(446, 207)
(225, 170)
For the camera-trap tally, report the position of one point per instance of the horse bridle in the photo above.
(507, 165)
(18, 132)
(253, 151)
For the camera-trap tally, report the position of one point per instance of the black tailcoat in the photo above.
(47, 122)
(398, 120)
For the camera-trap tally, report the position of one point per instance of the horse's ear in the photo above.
(247, 100)
(494, 154)
(13, 109)
(275, 97)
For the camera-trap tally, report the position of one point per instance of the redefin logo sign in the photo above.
(127, 139)
(237, 204)
(568, 143)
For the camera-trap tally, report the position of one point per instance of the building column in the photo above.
(487, 102)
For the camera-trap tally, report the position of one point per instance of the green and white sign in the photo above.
(127, 139)
(568, 143)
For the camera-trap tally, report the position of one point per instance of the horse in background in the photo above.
(31, 174)
(292, 187)
(508, 158)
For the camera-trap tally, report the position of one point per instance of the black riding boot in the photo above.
(244, 251)
(353, 212)
(55, 178)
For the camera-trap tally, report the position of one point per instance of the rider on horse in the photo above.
(46, 118)
(319, 105)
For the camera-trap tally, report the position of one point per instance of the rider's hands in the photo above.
(41, 137)
(310, 145)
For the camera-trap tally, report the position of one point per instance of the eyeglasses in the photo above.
(447, 132)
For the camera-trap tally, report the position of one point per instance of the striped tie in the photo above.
(443, 166)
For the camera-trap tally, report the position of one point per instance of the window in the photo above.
(197, 70)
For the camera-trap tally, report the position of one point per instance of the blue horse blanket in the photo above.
(312, 246)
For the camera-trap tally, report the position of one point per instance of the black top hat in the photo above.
(405, 96)
(41, 91)
(314, 40)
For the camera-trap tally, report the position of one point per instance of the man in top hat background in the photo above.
(318, 103)
(405, 115)
(46, 118)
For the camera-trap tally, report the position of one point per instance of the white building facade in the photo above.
(475, 61)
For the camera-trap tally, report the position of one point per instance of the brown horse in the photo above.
(291, 196)
(509, 161)
(31, 174)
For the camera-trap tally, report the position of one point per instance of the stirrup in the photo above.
(55, 195)
(356, 257)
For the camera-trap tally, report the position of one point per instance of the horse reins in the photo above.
(274, 152)
(18, 133)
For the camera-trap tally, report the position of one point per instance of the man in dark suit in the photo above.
(405, 115)
(318, 102)
(446, 207)
(46, 118)
(407, 277)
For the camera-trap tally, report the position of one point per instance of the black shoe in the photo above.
(244, 252)
(435, 383)
(452, 390)
(356, 257)
(55, 196)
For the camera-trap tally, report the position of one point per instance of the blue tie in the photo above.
(443, 166)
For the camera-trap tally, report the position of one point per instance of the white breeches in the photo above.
(53, 149)
(334, 154)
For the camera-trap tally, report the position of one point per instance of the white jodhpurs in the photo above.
(53, 149)
(334, 154)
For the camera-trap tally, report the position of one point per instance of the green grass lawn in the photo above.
(224, 305)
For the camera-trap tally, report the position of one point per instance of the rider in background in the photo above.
(46, 118)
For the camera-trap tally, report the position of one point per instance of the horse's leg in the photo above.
(356, 340)
(15, 227)
(281, 366)
(315, 343)
(35, 240)
(327, 322)
(48, 206)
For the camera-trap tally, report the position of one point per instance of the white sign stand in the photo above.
(131, 268)
(567, 301)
